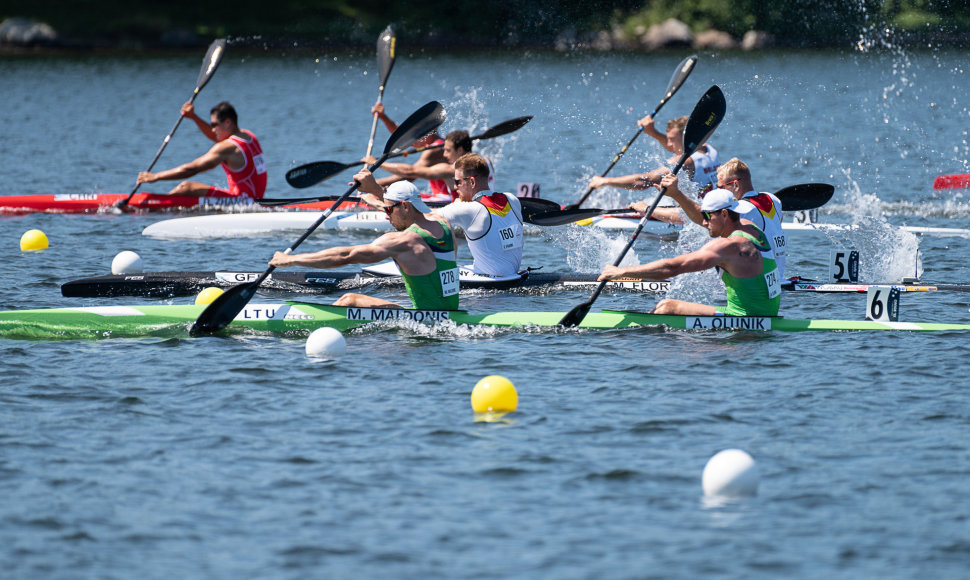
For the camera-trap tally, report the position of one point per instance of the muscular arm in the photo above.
(690, 207)
(223, 151)
(188, 111)
(711, 254)
(417, 171)
(647, 123)
(634, 181)
(384, 247)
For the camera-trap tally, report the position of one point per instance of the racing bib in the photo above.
(774, 283)
(449, 282)
(259, 164)
(509, 240)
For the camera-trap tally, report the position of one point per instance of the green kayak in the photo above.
(301, 317)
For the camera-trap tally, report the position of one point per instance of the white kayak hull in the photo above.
(249, 224)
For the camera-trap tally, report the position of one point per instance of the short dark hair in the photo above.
(224, 111)
(460, 140)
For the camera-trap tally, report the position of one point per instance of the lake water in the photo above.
(242, 458)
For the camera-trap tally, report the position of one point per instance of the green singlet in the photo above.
(437, 290)
(758, 295)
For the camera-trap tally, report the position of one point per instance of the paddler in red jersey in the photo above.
(236, 149)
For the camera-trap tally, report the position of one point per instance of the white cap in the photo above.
(718, 199)
(406, 191)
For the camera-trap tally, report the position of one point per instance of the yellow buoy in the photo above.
(494, 394)
(208, 295)
(33, 240)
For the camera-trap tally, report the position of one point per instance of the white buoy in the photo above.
(126, 262)
(326, 343)
(730, 473)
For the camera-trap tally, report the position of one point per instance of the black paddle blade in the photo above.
(805, 196)
(677, 80)
(313, 173)
(706, 116)
(420, 123)
(533, 205)
(211, 62)
(223, 309)
(386, 52)
(575, 316)
(504, 128)
(562, 217)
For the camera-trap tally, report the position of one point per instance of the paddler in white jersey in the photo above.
(457, 143)
(739, 249)
(763, 209)
(701, 166)
(423, 247)
(490, 222)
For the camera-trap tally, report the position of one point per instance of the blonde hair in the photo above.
(679, 123)
(735, 168)
(472, 164)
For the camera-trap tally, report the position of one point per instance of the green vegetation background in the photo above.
(498, 23)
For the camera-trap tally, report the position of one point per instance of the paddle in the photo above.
(530, 205)
(386, 43)
(951, 181)
(209, 65)
(313, 173)
(224, 308)
(705, 117)
(680, 75)
(803, 196)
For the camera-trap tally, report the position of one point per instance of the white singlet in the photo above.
(492, 224)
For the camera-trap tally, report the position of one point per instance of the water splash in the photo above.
(589, 249)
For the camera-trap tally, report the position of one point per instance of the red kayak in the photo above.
(104, 202)
(952, 181)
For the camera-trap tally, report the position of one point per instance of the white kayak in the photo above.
(629, 223)
(250, 224)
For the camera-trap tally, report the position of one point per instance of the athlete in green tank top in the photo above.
(759, 295)
(437, 290)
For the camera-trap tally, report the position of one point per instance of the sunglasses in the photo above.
(458, 180)
(707, 214)
(390, 208)
(724, 185)
(214, 124)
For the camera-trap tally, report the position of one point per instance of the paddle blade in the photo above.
(704, 119)
(575, 316)
(805, 196)
(313, 173)
(504, 128)
(562, 217)
(677, 80)
(211, 62)
(224, 309)
(533, 205)
(951, 181)
(386, 53)
(420, 123)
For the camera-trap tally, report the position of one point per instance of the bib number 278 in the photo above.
(449, 282)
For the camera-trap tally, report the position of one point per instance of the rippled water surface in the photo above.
(242, 458)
